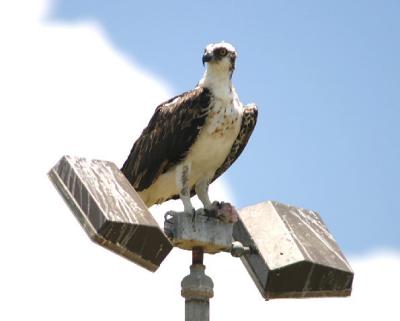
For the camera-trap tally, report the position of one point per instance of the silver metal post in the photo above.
(197, 289)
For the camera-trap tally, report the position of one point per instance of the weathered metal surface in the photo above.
(188, 231)
(197, 289)
(295, 255)
(110, 211)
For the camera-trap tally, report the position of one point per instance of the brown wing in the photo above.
(249, 121)
(168, 137)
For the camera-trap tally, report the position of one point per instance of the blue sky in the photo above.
(326, 78)
(82, 79)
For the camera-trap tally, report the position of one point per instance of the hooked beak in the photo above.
(207, 57)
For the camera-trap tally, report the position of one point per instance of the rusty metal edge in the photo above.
(306, 294)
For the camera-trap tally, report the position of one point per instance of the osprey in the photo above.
(192, 138)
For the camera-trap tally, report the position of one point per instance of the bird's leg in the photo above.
(182, 179)
(187, 204)
(201, 189)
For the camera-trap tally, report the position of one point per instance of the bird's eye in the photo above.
(223, 52)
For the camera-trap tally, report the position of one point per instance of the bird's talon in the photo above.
(207, 214)
(193, 215)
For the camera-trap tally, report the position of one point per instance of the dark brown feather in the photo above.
(168, 137)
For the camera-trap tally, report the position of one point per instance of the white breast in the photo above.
(215, 138)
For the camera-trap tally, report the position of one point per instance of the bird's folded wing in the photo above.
(249, 121)
(168, 137)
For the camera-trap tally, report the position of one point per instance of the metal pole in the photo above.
(197, 289)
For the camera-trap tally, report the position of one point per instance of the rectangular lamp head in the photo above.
(294, 255)
(110, 211)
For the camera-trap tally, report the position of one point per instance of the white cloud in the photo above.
(64, 89)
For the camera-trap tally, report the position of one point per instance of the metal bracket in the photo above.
(237, 249)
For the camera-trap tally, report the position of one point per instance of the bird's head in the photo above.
(221, 56)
